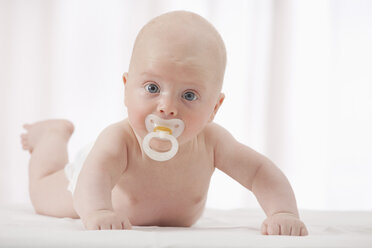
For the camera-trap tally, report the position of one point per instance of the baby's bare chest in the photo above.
(166, 183)
(173, 191)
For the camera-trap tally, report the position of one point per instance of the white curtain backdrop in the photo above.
(298, 86)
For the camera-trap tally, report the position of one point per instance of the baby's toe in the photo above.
(26, 126)
(24, 142)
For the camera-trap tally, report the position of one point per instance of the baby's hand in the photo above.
(106, 220)
(283, 224)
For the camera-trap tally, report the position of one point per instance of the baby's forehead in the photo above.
(180, 34)
(182, 38)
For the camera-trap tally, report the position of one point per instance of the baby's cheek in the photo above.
(191, 130)
(136, 120)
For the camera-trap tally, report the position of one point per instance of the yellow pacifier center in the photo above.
(164, 129)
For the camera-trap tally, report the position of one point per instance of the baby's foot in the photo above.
(36, 130)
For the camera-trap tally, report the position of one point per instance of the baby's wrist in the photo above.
(287, 213)
(98, 211)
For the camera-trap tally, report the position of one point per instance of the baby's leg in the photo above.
(47, 143)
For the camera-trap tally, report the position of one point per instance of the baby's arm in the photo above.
(258, 174)
(100, 173)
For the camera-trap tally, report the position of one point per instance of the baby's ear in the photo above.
(125, 80)
(125, 77)
(217, 106)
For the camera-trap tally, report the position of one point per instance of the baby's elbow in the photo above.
(259, 174)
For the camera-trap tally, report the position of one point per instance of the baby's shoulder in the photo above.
(226, 148)
(117, 135)
(215, 133)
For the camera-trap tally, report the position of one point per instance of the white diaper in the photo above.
(72, 169)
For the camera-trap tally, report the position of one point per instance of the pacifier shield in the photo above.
(160, 156)
(162, 129)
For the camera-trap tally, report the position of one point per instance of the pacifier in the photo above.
(162, 129)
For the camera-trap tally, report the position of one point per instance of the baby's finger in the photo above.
(273, 229)
(304, 231)
(92, 227)
(296, 231)
(126, 224)
(117, 226)
(105, 226)
(285, 230)
(264, 229)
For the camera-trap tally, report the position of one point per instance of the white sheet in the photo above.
(21, 227)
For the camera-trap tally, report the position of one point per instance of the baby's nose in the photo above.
(167, 107)
(165, 112)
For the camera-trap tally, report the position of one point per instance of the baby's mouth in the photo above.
(160, 143)
(173, 127)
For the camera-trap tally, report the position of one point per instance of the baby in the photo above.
(154, 167)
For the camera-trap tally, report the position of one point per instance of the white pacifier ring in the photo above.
(160, 156)
(162, 129)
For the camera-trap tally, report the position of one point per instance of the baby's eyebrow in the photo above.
(198, 86)
(188, 83)
(149, 74)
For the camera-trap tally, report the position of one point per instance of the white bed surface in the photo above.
(21, 227)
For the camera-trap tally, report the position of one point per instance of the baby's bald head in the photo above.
(181, 37)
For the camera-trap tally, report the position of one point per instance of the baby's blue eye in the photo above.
(152, 88)
(190, 96)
